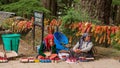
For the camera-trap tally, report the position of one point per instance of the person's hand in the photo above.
(46, 56)
(77, 51)
(47, 53)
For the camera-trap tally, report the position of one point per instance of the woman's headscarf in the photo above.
(82, 39)
(46, 40)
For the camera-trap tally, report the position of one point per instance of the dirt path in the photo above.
(102, 63)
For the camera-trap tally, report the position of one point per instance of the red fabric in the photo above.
(40, 57)
(53, 56)
(46, 39)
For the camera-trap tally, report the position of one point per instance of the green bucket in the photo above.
(11, 42)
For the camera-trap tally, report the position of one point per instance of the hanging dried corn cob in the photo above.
(119, 41)
(83, 28)
(96, 39)
(109, 41)
(78, 33)
(73, 26)
(53, 22)
(88, 28)
(104, 33)
(70, 39)
(104, 37)
(80, 26)
(93, 28)
(100, 35)
(50, 29)
(59, 22)
(97, 31)
(108, 35)
(101, 39)
(46, 21)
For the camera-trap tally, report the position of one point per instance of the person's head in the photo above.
(86, 37)
(49, 39)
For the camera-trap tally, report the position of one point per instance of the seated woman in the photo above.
(83, 46)
(48, 49)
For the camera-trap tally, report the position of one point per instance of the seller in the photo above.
(83, 46)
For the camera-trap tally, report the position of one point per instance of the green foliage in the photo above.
(73, 15)
(116, 2)
(24, 7)
(2, 2)
(116, 40)
(116, 45)
(7, 24)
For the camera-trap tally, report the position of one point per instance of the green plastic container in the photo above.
(11, 42)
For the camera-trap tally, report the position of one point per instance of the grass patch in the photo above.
(107, 53)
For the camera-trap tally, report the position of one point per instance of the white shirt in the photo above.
(85, 46)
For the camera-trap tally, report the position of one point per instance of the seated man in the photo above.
(48, 49)
(83, 46)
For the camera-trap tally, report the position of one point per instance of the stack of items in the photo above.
(90, 59)
(49, 59)
(37, 61)
(71, 60)
(27, 60)
(84, 59)
(3, 60)
(46, 60)
(55, 60)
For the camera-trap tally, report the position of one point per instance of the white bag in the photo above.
(63, 56)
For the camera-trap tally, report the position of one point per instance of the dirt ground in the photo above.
(102, 63)
(24, 49)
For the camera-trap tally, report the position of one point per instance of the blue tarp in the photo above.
(60, 40)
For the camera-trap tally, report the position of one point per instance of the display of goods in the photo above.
(53, 22)
(37, 60)
(45, 60)
(31, 59)
(83, 59)
(24, 60)
(71, 60)
(17, 26)
(46, 22)
(55, 60)
(101, 33)
(3, 60)
(90, 59)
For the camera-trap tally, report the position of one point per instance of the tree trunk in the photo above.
(114, 9)
(46, 3)
(99, 9)
(117, 20)
(54, 7)
(50, 5)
